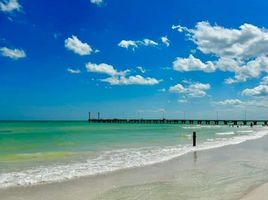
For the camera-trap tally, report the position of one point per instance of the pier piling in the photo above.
(194, 138)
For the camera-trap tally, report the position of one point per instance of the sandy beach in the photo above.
(133, 100)
(260, 193)
(229, 172)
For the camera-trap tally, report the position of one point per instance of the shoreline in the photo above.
(260, 132)
(194, 166)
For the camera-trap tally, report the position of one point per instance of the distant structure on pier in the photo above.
(177, 121)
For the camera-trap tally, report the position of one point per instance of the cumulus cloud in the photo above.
(135, 44)
(262, 103)
(10, 6)
(97, 2)
(179, 88)
(131, 80)
(73, 71)
(244, 70)
(260, 90)
(78, 47)
(12, 53)
(230, 102)
(192, 64)
(245, 42)
(264, 80)
(148, 42)
(165, 40)
(242, 51)
(120, 77)
(105, 69)
(128, 43)
(193, 89)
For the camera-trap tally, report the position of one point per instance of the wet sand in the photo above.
(260, 193)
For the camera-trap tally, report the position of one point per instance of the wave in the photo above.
(245, 131)
(114, 160)
(202, 126)
(226, 133)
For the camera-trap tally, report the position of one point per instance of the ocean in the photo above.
(33, 153)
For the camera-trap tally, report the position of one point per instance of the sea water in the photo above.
(44, 152)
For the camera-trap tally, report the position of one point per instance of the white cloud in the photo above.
(230, 102)
(97, 2)
(264, 80)
(192, 64)
(180, 28)
(12, 53)
(193, 89)
(78, 47)
(177, 89)
(73, 71)
(142, 70)
(104, 69)
(260, 90)
(135, 44)
(165, 40)
(128, 43)
(10, 6)
(120, 77)
(131, 80)
(245, 42)
(247, 70)
(148, 42)
(260, 102)
(242, 51)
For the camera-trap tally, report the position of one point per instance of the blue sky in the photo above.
(61, 59)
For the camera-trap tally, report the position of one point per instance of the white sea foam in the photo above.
(202, 126)
(114, 160)
(245, 131)
(226, 133)
(191, 127)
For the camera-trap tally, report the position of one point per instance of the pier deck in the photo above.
(180, 121)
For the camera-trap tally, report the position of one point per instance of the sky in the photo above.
(195, 59)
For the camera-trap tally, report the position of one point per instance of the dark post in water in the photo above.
(89, 115)
(194, 138)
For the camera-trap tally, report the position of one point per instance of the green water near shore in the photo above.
(31, 147)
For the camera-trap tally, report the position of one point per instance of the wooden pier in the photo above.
(177, 121)
(180, 121)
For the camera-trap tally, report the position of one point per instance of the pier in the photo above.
(178, 121)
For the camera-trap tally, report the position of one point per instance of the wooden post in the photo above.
(89, 116)
(194, 138)
(98, 115)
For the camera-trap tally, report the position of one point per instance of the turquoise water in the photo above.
(40, 152)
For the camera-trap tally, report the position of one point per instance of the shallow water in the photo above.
(43, 152)
(217, 174)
